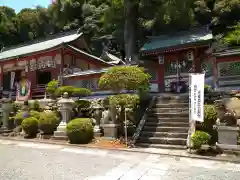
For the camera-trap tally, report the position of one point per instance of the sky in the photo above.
(20, 4)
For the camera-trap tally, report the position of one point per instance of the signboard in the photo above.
(197, 97)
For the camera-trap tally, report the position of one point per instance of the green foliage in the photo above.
(59, 91)
(210, 117)
(20, 116)
(125, 78)
(30, 126)
(210, 114)
(35, 114)
(36, 106)
(124, 100)
(233, 37)
(79, 92)
(207, 89)
(48, 122)
(200, 138)
(80, 130)
(83, 104)
(52, 86)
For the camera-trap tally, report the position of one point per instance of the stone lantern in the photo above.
(65, 107)
(45, 101)
(97, 116)
(5, 109)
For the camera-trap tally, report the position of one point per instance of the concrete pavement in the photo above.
(37, 161)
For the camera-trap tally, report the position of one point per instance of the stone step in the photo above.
(168, 119)
(166, 129)
(163, 140)
(172, 110)
(167, 124)
(171, 105)
(163, 134)
(159, 101)
(168, 114)
(161, 146)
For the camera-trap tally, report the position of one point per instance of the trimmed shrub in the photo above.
(47, 123)
(59, 91)
(30, 126)
(125, 78)
(210, 118)
(80, 131)
(80, 92)
(52, 86)
(20, 116)
(200, 138)
(35, 114)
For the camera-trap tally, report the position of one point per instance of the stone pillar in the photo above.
(6, 109)
(111, 129)
(65, 108)
(97, 115)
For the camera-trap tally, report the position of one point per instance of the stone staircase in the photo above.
(167, 123)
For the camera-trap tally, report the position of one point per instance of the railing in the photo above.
(142, 122)
(38, 91)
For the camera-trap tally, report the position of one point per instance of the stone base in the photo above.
(227, 135)
(61, 133)
(111, 131)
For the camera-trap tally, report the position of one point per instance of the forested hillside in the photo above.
(129, 20)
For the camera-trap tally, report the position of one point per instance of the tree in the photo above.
(124, 78)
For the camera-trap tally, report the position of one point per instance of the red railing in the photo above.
(38, 91)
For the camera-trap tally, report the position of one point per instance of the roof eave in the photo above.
(87, 54)
(176, 46)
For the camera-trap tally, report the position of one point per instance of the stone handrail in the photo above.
(141, 123)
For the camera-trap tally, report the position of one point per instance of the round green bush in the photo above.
(30, 126)
(35, 114)
(47, 123)
(20, 116)
(200, 138)
(210, 114)
(80, 131)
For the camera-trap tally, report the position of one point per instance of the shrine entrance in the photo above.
(43, 77)
(176, 75)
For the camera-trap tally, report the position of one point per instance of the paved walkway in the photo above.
(36, 161)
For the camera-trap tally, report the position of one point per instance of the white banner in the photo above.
(197, 97)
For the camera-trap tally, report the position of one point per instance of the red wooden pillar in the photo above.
(161, 85)
(197, 62)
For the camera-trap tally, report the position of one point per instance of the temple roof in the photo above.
(21, 51)
(177, 39)
(88, 55)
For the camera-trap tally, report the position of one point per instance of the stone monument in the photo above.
(65, 107)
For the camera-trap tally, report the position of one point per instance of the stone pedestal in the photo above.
(65, 107)
(111, 131)
(227, 135)
(6, 108)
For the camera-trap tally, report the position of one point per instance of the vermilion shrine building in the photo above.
(46, 60)
(169, 59)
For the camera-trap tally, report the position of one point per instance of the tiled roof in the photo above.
(37, 47)
(89, 55)
(167, 41)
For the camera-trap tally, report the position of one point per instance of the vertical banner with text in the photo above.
(197, 97)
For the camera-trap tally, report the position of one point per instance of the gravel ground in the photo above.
(32, 161)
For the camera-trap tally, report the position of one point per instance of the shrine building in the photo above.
(44, 60)
(170, 58)
(226, 65)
